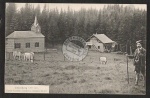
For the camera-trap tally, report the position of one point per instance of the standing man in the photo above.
(140, 62)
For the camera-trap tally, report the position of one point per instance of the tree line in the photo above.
(121, 24)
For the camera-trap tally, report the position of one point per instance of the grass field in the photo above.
(87, 76)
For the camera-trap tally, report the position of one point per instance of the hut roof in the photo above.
(103, 38)
(24, 34)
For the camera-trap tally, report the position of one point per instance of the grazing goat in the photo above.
(103, 60)
(17, 54)
(29, 56)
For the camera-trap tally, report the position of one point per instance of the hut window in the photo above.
(98, 47)
(37, 44)
(27, 45)
(89, 46)
(17, 45)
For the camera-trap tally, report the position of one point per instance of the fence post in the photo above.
(9, 55)
(44, 55)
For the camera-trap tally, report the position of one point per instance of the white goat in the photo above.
(29, 56)
(17, 54)
(103, 60)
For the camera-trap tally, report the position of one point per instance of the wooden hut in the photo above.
(100, 42)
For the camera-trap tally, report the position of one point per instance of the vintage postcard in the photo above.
(66, 48)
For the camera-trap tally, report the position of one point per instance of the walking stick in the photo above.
(127, 64)
(127, 70)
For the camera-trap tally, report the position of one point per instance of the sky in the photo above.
(76, 6)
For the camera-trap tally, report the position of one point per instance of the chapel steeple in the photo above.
(35, 26)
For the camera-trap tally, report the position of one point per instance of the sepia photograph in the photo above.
(75, 48)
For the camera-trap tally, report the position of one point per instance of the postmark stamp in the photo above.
(74, 48)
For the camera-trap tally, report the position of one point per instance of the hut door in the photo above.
(89, 46)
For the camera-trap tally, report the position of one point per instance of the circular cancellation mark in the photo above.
(74, 48)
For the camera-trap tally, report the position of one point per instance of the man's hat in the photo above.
(139, 41)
